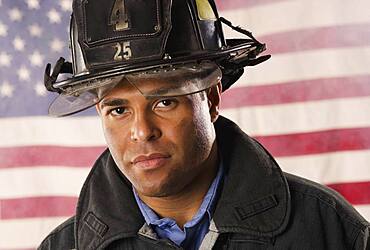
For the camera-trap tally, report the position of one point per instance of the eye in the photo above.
(166, 103)
(118, 111)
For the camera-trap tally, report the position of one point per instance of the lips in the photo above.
(150, 161)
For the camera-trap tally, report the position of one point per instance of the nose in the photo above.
(144, 128)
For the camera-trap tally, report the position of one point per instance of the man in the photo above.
(176, 174)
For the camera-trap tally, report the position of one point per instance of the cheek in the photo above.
(117, 145)
(193, 136)
(203, 130)
(115, 139)
(177, 128)
(110, 135)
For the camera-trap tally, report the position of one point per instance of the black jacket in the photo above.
(259, 207)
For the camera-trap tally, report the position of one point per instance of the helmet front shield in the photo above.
(172, 80)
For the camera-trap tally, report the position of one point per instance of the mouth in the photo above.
(151, 161)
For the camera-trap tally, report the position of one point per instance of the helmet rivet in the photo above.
(167, 57)
(156, 27)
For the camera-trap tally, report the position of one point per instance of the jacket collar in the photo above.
(254, 197)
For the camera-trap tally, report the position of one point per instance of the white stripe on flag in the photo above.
(296, 15)
(302, 117)
(306, 65)
(41, 181)
(28, 131)
(364, 210)
(26, 233)
(328, 168)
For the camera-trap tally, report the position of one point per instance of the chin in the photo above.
(152, 193)
(157, 190)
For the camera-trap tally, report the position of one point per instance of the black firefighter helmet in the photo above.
(180, 40)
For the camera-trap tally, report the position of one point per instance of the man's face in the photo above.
(161, 145)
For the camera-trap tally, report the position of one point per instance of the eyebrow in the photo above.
(113, 102)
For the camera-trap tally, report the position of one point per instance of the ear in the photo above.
(214, 99)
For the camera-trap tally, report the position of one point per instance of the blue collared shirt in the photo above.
(195, 230)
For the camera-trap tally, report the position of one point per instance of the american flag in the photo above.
(309, 105)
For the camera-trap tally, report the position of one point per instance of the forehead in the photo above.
(126, 93)
(148, 87)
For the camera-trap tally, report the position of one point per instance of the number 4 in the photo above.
(119, 17)
(125, 48)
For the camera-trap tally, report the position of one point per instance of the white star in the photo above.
(36, 59)
(15, 15)
(23, 74)
(57, 45)
(6, 90)
(35, 30)
(18, 43)
(3, 29)
(33, 4)
(54, 16)
(5, 59)
(66, 5)
(40, 89)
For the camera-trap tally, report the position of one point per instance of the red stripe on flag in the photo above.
(49, 156)
(299, 91)
(37, 207)
(357, 193)
(318, 38)
(235, 4)
(317, 142)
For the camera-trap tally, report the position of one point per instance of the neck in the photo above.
(184, 205)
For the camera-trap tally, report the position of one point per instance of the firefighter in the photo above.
(176, 174)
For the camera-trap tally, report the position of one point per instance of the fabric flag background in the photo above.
(309, 105)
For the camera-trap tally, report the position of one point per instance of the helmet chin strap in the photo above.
(239, 29)
(233, 69)
(60, 67)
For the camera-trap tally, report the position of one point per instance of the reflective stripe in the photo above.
(148, 232)
(205, 11)
(210, 238)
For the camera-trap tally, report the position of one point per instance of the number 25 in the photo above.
(125, 48)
